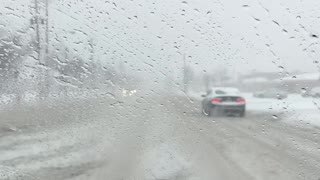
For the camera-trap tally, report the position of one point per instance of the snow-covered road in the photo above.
(155, 137)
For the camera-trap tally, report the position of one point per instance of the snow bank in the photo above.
(32, 97)
(302, 77)
(294, 109)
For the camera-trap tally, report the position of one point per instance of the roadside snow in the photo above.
(302, 77)
(295, 109)
(165, 162)
(32, 97)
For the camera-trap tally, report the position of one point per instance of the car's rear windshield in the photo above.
(220, 92)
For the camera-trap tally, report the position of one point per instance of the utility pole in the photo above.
(184, 74)
(37, 21)
(91, 49)
(41, 24)
(47, 79)
(47, 28)
(40, 21)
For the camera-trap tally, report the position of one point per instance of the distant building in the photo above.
(258, 81)
(295, 83)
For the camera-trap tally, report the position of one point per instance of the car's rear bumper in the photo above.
(230, 108)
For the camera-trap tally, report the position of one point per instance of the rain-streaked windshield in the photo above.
(159, 90)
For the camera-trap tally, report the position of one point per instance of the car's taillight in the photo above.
(241, 100)
(216, 100)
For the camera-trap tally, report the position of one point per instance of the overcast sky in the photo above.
(152, 36)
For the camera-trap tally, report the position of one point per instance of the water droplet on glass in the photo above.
(184, 2)
(275, 117)
(303, 90)
(275, 22)
(314, 35)
(256, 19)
(284, 31)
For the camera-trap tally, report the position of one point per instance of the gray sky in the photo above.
(240, 35)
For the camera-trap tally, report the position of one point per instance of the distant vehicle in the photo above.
(306, 93)
(271, 93)
(223, 100)
(314, 92)
(126, 92)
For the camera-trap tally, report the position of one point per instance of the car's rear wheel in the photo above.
(206, 111)
(214, 112)
(210, 111)
(242, 114)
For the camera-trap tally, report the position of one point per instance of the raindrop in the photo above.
(256, 19)
(245, 5)
(275, 22)
(275, 117)
(184, 2)
(303, 90)
(316, 62)
(314, 35)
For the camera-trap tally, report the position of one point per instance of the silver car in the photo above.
(220, 101)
